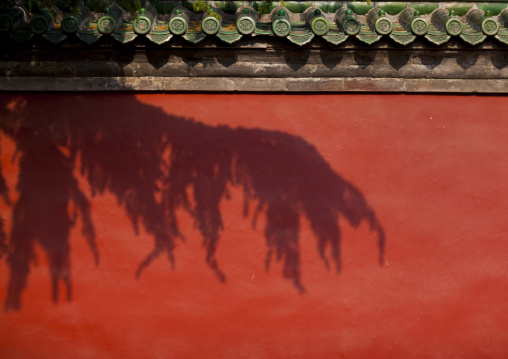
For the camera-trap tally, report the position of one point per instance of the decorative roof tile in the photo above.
(231, 21)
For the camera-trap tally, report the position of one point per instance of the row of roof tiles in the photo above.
(368, 22)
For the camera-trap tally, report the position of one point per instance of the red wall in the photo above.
(429, 169)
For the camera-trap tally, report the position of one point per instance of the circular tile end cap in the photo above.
(419, 26)
(210, 25)
(106, 24)
(320, 26)
(454, 27)
(245, 25)
(70, 24)
(142, 25)
(39, 24)
(281, 27)
(178, 25)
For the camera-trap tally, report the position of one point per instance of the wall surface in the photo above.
(142, 226)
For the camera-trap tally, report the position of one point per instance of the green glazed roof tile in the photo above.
(55, 37)
(360, 8)
(21, 35)
(471, 36)
(301, 38)
(229, 7)
(401, 36)
(161, 27)
(403, 40)
(367, 36)
(194, 33)
(503, 30)
(299, 7)
(229, 37)
(159, 38)
(425, 8)
(124, 37)
(89, 33)
(263, 28)
(335, 36)
(502, 35)
(210, 25)
(460, 8)
(228, 32)
(495, 8)
(502, 38)
(392, 8)
(125, 33)
(436, 36)
(88, 37)
(473, 39)
(484, 24)
(438, 39)
(329, 7)
(125, 28)
(298, 16)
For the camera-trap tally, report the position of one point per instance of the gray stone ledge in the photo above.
(254, 63)
(242, 84)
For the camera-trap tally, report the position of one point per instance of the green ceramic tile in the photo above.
(360, 8)
(55, 37)
(88, 38)
(473, 39)
(21, 36)
(301, 39)
(329, 6)
(425, 8)
(298, 6)
(229, 37)
(460, 8)
(194, 36)
(229, 7)
(335, 38)
(70, 23)
(495, 9)
(392, 8)
(159, 38)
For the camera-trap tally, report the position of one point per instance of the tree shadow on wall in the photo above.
(156, 164)
(4, 194)
(48, 206)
